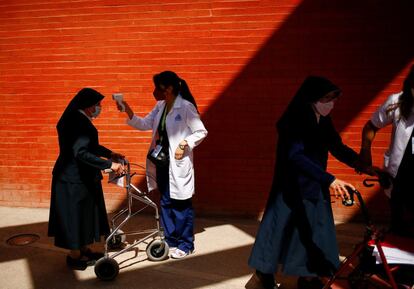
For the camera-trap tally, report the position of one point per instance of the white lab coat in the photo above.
(401, 133)
(182, 123)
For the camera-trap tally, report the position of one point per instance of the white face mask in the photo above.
(324, 108)
(96, 112)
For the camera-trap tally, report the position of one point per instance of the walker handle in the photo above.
(383, 178)
(364, 211)
(368, 182)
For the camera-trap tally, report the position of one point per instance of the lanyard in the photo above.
(163, 118)
(161, 127)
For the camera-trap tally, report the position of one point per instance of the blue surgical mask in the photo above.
(97, 111)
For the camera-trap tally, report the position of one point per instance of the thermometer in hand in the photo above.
(118, 97)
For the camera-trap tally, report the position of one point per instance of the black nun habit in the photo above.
(77, 209)
(297, 230)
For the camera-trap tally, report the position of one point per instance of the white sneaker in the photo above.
(179, 254)
(172, 249)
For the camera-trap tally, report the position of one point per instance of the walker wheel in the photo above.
(117, 240)
(157, 250)
(106, 269)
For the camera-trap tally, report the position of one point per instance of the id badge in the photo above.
(412, 145)
(156, 151)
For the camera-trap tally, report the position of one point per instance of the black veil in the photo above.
(299, 109)
(86, 97)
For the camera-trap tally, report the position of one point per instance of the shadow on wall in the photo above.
(361, 46)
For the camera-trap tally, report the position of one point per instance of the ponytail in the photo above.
(186, 93)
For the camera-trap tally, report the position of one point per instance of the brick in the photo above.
(243, 61)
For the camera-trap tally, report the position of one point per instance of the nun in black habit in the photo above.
(77, 208)
(297, 230)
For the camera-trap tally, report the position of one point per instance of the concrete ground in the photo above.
(219, 262)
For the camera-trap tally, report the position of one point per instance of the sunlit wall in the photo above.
(243, 61)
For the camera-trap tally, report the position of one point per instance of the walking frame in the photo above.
(107, 268)
(366, 269)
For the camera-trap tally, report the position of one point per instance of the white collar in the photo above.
(177, 102)
(84, 113)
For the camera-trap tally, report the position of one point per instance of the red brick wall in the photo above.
(243, 61)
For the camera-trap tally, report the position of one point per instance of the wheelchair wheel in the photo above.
(106, 269)
(157, 250)
(117, 240)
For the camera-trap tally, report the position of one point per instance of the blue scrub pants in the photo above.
(177, 216)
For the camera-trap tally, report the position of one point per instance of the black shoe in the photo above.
(76, 264)
(91, 256)
(267, 280)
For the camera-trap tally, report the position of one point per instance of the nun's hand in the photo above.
(338, 189)
(117, 168)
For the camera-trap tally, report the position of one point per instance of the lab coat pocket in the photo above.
(183, 166)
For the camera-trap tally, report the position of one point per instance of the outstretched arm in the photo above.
(368, 134)
(338, 149)
(299, 159)
(141, 123)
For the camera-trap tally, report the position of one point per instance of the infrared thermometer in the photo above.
(119, 97)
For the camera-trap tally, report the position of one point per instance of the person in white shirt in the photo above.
(176, 130)
(397, 110)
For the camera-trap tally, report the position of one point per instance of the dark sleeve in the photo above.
(306, 166)
(338, 149)
(104, 152)
(82, 153)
